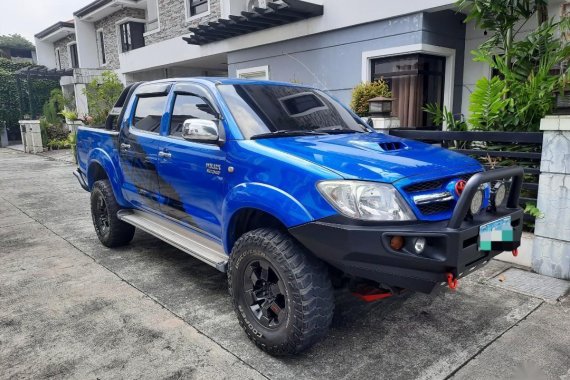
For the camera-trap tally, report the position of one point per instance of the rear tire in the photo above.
(111, 231)
(281, 294)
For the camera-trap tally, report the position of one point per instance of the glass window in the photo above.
(148, 113)
(58, 56)
(132, 35)
(102, 47)
(73, 56)
(195, 7)
(260, 109)
(415, 80)
(187, 106)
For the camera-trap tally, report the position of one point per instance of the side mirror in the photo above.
(200, 130)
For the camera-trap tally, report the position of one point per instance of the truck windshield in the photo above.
(266, 110)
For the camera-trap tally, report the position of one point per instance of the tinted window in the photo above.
(189, 107)
(149, 113)
(265, 108)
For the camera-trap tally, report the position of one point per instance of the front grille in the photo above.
(432, 186)
(435, 208)
(424, 186)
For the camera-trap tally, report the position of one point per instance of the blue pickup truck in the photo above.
(292, 195)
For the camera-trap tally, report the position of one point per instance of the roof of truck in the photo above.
(224, 80)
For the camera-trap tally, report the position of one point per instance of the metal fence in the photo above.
(493, 149)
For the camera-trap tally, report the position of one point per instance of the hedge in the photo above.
(14, 103)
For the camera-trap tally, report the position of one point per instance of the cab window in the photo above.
(189, 106)
(148, 113)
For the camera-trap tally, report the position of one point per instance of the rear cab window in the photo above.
(148, 113)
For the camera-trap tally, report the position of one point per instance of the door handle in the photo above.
(125, 146)
(164, 154)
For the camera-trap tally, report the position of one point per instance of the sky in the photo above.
(28, 17)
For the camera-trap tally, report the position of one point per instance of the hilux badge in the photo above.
(213, 168)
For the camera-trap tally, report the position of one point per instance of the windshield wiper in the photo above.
(285, 132)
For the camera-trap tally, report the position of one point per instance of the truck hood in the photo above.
(374, 156)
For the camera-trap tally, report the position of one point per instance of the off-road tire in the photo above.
(309, 299)
(111, 231)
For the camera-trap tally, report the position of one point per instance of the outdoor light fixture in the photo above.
(498, 194)
(477, 202)
(380, 106)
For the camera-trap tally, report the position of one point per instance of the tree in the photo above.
(529, 69)
(15, 41)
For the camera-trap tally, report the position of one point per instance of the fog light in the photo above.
(499, 193)
(396, 243)
(419, 245)
(476, 202)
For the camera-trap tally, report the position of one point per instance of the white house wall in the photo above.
(337, 15)
(334, 60)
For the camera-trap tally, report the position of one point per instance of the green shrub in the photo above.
(102, 94)
(365, 91)
(53, 107)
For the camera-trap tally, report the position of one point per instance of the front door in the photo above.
(139, 145)
(191, 173)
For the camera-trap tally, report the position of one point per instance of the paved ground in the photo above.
(71, 308)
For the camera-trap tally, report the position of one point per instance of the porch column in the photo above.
(551, 250)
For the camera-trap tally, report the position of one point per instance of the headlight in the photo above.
(366, 200)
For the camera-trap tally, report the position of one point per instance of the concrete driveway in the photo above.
(71, 308)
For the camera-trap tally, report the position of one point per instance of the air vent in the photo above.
(390, 146)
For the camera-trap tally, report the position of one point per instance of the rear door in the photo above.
(139, 144)
(191, 174)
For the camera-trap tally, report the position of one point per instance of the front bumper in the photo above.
(363, 249)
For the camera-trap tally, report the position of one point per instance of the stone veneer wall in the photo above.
(111, 37)
(172, 16)
(551, 248)
(63, 53)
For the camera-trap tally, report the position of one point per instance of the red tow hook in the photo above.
(451, 281)
(515, 252)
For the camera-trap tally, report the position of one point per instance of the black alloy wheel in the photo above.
(264, 292)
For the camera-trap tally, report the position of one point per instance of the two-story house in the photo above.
(421, 47)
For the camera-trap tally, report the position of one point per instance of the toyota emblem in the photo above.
(460, 186)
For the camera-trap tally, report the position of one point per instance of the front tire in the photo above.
(111, 231)
(282, 295)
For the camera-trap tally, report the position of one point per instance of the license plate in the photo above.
(497, 235)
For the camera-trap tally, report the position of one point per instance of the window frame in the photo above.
(102, 52)
(70, 53)
(188, 9)
(152, 31)
(249, 72)
(58, 59)
(133, 128)
(448, 53)
(121, 24)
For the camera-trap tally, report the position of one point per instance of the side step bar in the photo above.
(182, 238)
